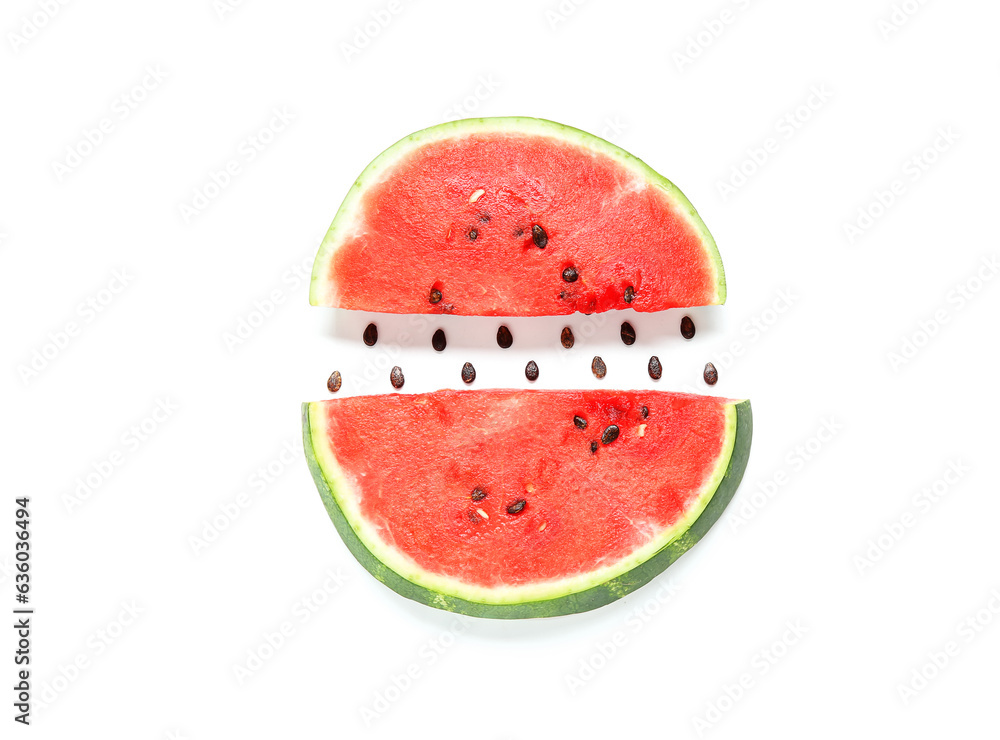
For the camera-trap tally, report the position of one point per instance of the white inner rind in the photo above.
(345, 492)
(322, 290)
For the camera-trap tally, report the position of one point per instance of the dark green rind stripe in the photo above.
(582, 601)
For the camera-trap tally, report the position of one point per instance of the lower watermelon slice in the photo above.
(515, 503)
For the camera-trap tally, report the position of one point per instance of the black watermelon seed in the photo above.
(531, 371)
(628, 333)
(539, 236)
(468, 372)
(598, 367)
(371, 335)
(473, 234)
(519, 232)
(333, 383)
(396, 377)
(567, 338)
(484, 217)
(593, 448)
(435, 295)
(645, 412)
(711, 374)
(438, 341)
(580, 422)
(610, 434)
(629, 294)
(478, 494)
(474, 517)
(570, 275)
(504, 337)
(655, 369)
(687, 328)
(517, 507)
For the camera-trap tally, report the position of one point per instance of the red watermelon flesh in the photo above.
(491, 213)
(431, 487)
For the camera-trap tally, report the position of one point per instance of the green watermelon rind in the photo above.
(319, 285)
(713, 505)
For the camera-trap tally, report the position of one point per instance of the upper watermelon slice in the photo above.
(520, 503)
(485, 216)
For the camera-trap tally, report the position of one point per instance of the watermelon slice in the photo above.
(521, 503)
(514, 217)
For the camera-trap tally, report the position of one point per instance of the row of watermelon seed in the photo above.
(505, 340)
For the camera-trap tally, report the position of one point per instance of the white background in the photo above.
(890, 83)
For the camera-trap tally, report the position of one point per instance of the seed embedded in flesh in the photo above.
(517, 507)
(610, 434)
(504, 337)
(539, 237)
(628, 334)
(478, 494)
(655, 369)
(371, 335)
(711, 374)
(580, 422)
(531, 371)
(468, 372)
(645, 412)
(593, 448)
(396, 377)
(438, 341)
(435, 296)
(570, 275)
(567, 338)
(598, 367)
(473, 235)
(629, 294)
(482, 513)
(687, 328)
(333, 383)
